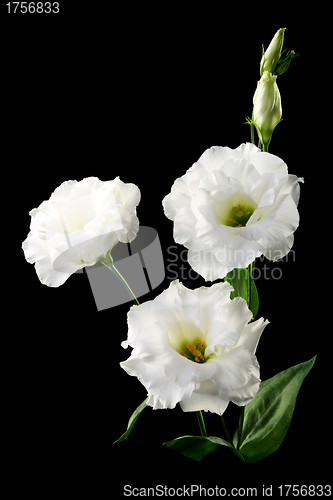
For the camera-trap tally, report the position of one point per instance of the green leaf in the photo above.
(268, 416)
(196, 447)
(132, 421)
(238, 280)
(245, 287)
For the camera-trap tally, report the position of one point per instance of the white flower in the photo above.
(78, 225)
(194, 347)
(232, 206)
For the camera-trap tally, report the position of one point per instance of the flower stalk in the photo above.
(201, 423)
(107, 261)
(225, 430)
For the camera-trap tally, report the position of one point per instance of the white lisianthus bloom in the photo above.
(232, 206)
(194, 347)
(78, 225)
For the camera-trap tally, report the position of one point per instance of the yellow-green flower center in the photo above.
(239, 215)
(235, 211)
(194, 352)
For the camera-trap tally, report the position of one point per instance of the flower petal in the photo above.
(207, 265)
(184, 229)
(276, 250)
(243, 396)
(205, 397)
(177, 368)
(266, 162)
(234, 370)
(182, 302)
(237, 314)
(251, 334)
(292, 187)
(286, 219)
(177, 199)
(130, 195)
(49, 276)
(214, 157)
(163, 393)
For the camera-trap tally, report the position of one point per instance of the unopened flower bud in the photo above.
(267, 110)
(271, 57)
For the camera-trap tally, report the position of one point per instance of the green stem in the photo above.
(107, 261)
(249, 283)
(265, 148)
(201, 423)
(252, 130)
(227, 435)
(241, 421)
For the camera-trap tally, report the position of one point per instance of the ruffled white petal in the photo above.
(182, 302)
(292, 187)
(219, 338)
(130, 195)
(238, 314)
(212, 298)
(275, 250)
(286, 219)
(140, 318)
(49, 276)
(237, 376)
(245, 395)
(163, 392)
(207, 265)
(251, 334)
(205, 397)
(151, 341)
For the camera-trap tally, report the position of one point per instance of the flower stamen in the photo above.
(239, 215)
(190, 347)
(195, 352)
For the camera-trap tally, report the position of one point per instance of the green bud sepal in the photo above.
(259, 132)
(284, 62)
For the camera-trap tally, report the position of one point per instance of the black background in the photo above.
(141, 93)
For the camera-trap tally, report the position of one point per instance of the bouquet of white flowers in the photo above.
(196, 347)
